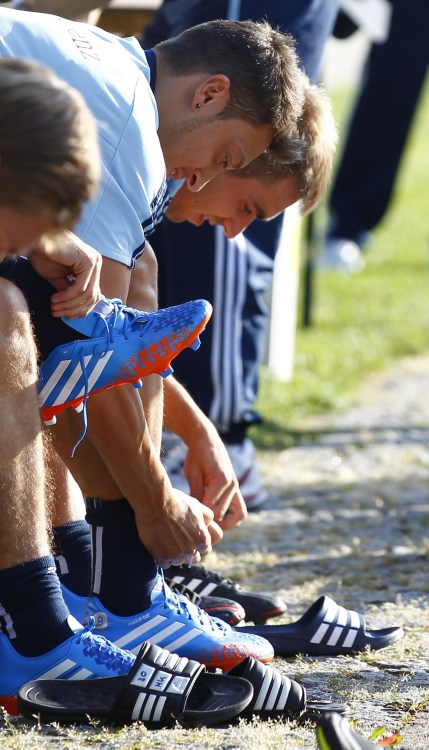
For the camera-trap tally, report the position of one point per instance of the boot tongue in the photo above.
(74, 625)
(104, 307)
(91, 325)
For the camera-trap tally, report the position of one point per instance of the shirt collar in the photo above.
(151, 61)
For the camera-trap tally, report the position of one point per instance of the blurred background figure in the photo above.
(382, 115)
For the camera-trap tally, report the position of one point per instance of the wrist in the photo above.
(194, 428)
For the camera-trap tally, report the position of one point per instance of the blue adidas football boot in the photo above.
(83, 656)
(174, 623)
(123, 346)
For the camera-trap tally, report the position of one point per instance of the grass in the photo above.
(361, 323)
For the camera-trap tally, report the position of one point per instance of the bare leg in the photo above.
(23, 529)
(91, 474)
(66, 499)
(37, 632)
(143, 294)
(125, 430)
(33, 611)
(89, 470)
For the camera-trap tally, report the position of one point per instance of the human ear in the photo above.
(212, 93)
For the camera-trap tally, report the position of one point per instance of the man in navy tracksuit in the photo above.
(377, 135)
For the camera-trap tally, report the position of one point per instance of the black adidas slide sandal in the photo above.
(326, 629)
(276, 696)
(160, 689)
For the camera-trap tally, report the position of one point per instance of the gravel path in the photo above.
(348, 516)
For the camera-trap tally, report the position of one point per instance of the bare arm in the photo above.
(171, 525)
(207, 465)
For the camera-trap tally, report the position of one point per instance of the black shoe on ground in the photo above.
(215, 606)
(258, 607)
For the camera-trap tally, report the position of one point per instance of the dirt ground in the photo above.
(348, 516)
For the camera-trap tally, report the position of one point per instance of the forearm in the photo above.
(118, 430)
(182, 415)
(170, 525)
(207, 466)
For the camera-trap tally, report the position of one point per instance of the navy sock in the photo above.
(72, 544)
(123, 571)
(32, 610)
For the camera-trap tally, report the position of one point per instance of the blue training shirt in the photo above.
(113, 76)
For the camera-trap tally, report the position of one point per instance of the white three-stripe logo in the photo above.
(195, 583)
(339, 616)
(160, 634)
(71, 381)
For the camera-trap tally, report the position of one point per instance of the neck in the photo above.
(168, 89)
(173, 94)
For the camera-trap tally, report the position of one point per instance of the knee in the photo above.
(11, 298)
(17, 347)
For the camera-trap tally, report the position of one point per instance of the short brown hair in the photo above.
(307, 150)
(48, 143)
(260, 62)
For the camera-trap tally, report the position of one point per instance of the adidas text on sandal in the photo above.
(159, 690)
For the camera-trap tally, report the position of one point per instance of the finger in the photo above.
(189, 560)
(236, 514)
(237, 509)
(223, 502)
(224, 505)
(214, 490)
(164, 564)
(83, 291)
(215, 532)
(74, 307)
(196, 485)
(230, 522)
(73, 311)
(207, 514)
(178, 559)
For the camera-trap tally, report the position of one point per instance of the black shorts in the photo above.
(49, 332)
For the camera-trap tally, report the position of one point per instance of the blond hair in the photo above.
(318, 130)
(308, 150)
(48, 143)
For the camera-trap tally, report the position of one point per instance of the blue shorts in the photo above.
(49, 332)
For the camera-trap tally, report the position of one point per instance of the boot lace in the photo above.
(184, 607)
(133, 320)
(102, 651)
